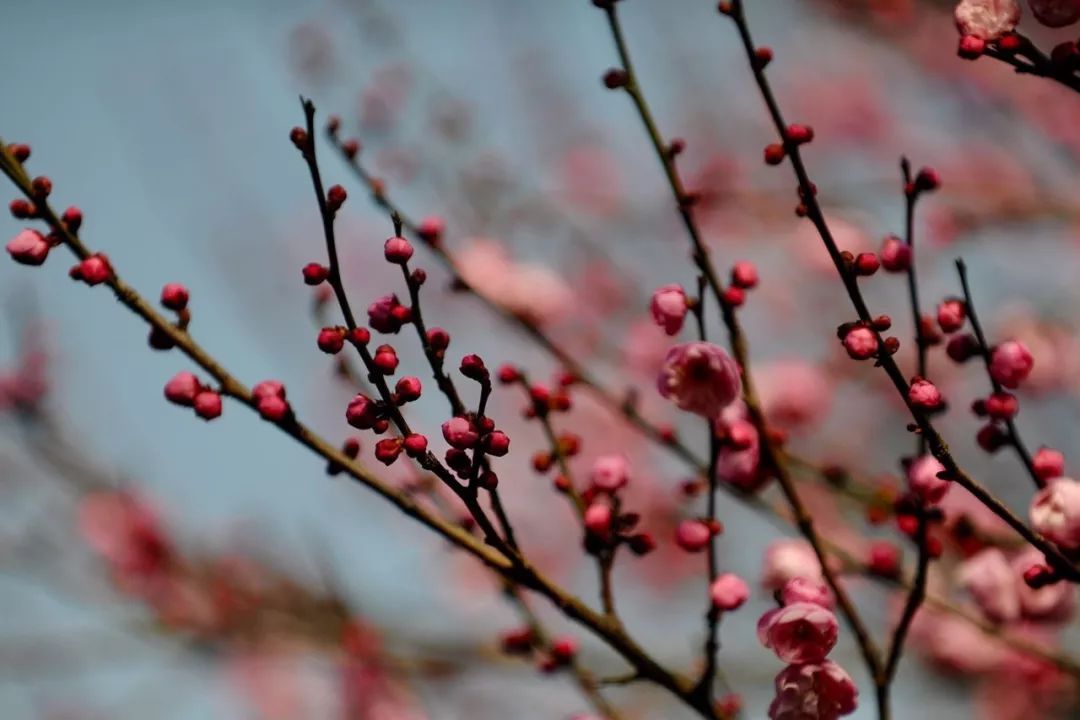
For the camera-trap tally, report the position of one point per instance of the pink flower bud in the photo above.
(598, 519)
(398, 250)
(385, 359)
(800, 134)
(496, 443)
(438, 339)
(335, 197)
(884, 559)
(431, 229)
(861, 343)
(207, 404)
(1044, 596)
(94, 270)
(174, 296)
(1002, 406)
(268, 388)
(668, 307)
(1055, 512)
(799, 633)
(922, 477)
(971, 47)
(362, 412)
(331, 340)
(924, 394)
(951, 315)
(408, 389)
(415, 445)
(895, 254)
(729, 592)
(1010, 363)
(692, 535)
(29, 247)
(182, 388)
(459, 433)
(744, 275)
(383, 314)
(563, 649)
(1048, 463)
(472, 367)
(610, 472)
(699, 377)
(387, 450)
(272, 407)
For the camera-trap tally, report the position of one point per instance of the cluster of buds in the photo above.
(186, 390)
(524, 642)
(606, 526)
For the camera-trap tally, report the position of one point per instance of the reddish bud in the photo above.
(315, 274)
(22, 209)
(774, 154)
(1002, 406)
(299, 138)
(20, 151)
(866, 264)
(951, 315)
(733, 296)
(359, 336)
(72, 218)
(744, 275)
(174, 296)
(182, 389)
(473, 368)
(615, 78)
(387, 450)
(971, 47)
(351, 148)
(895, 254)
(331, 340)
(385, 359)
(497, 443)
(415, 445)
(800, 134)
(94, 270)
(398, 250)
(207, 404)
(1048, 463)
(408, 389)
(42, 186)
(861, 343)
(335, 198)
(431, 230)
(992, 437)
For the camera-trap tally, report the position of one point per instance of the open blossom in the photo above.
(668, 307)
(786, 559)
(1051, 603)
(816, 691)
(799, 633)
(987, 19)
(1010, 363)
(29, 247)
(992, 583)
(700, 378)
(922, 477)
(1055, 512)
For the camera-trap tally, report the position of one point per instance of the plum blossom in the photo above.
(799, 633)
(922, 477)
(992, 583)
(815, 691)
(1055, 512)
(525, 289)
(788, 558)
(987, 19)
(699, 377)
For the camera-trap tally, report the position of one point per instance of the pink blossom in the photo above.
(799, 633)
(383, 314)
(1055, 13)
(987, 19)
(1010, 363)
(126, 532)
(1048, 463)
(789, 558)
(729, 592)
(805, 590)
(1050, 603)
(610, 472)
(794, 393)
(924, 394)
(700, 378)
(992, 583)
(1055, 512)
(669, 308)
(922, 477)
(817, 691)
(528, 290)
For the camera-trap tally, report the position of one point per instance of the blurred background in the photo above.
(167, 123)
